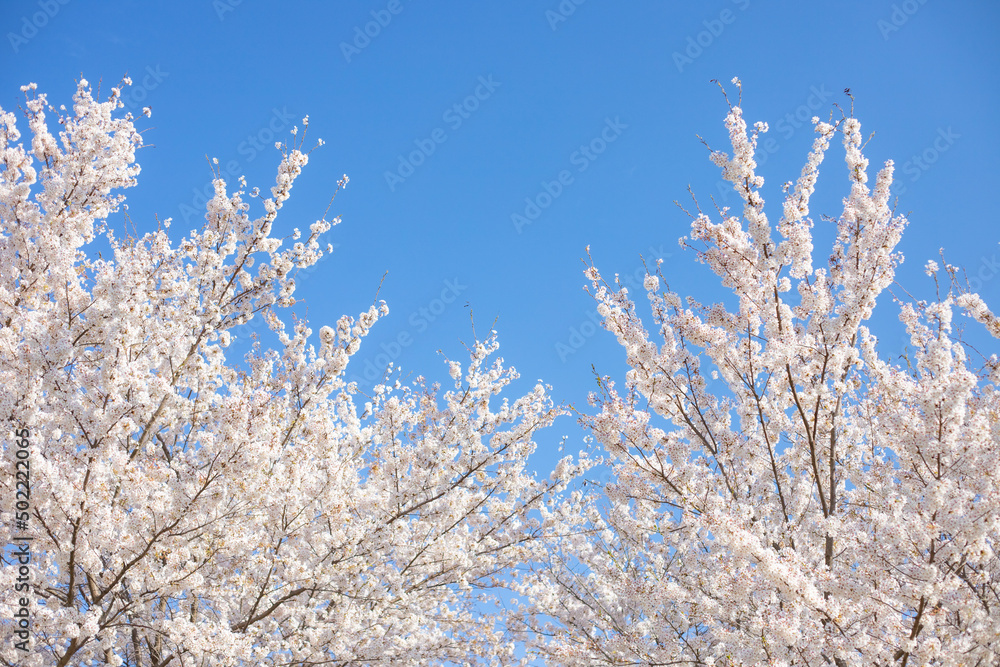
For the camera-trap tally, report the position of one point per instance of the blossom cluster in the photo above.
(782, 495)
(196, 510)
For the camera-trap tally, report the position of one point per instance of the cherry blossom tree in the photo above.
(781, 494)
(189, 510)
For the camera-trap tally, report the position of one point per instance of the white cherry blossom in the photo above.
(783, 494)
(191, 510)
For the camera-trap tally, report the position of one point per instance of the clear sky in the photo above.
(453, 118)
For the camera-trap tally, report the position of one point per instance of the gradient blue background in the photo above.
(214, 73)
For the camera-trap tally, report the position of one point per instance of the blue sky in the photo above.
(453, 118)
